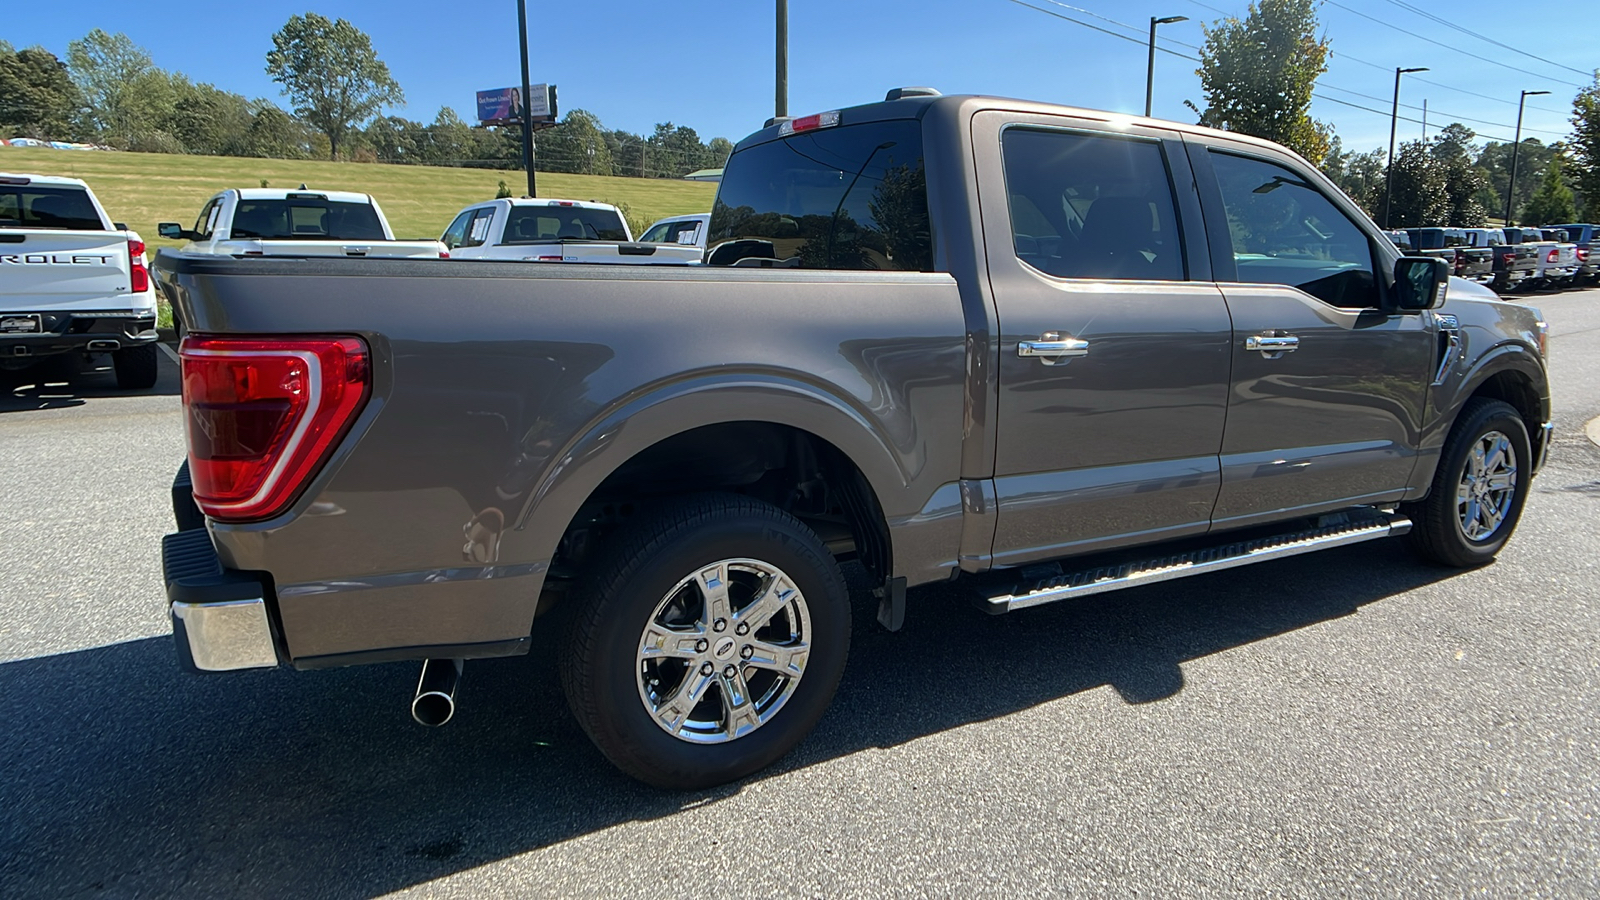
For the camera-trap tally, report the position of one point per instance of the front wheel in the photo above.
(710, 641)
(1478, 489)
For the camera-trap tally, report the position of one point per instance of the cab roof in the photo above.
(52, 180)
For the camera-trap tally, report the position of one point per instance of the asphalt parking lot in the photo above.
(1348, 723)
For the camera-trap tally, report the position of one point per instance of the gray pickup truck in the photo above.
(1046, 351)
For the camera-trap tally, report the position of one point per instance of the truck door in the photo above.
(1113, 343)
(1328, 388)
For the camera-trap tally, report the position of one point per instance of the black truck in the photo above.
(1454, 247)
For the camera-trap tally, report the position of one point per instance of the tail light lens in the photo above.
(262, 415)
(1552, 256)
(1461, 260)
(1583, 254)
(1508, 258)
(139, 276)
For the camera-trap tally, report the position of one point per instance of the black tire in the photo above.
(1437, 533)
(634, 573)
(135, 366)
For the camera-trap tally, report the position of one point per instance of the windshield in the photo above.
(306, 220)
(836, 198)
(544, 224)
(66, 208)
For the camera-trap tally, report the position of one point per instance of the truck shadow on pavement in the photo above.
(124, 776)
(64, 381)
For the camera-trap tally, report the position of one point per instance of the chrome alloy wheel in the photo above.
(723, 651)
(1488, 486)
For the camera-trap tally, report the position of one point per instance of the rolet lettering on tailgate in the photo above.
(53, 259)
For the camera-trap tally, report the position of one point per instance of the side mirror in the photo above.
(1420, 282)
(171, 230)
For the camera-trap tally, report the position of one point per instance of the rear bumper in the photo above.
(220, 620)
(64, 332)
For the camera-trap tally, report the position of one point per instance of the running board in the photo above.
(1196, 562)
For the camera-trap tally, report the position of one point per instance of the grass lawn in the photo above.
(142, 189)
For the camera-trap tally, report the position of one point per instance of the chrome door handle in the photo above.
(1272, 343)
(1052, 347)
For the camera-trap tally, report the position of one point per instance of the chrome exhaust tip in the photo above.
(435, 700)
(103, 344)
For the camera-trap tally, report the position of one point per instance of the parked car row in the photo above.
(1513, 258)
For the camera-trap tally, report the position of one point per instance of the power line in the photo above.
(1470, 33)
(1097, 27)
(1440, 84)
(1449, 47)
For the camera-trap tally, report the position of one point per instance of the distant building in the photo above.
(704, 175)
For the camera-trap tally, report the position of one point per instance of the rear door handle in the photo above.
(1272, 343)
(1052, 347)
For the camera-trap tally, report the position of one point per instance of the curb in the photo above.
(1592, 430)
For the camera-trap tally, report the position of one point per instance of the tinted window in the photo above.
(672, 233)
(1091, 207)
(1287, 232)
(851, 197)
(305, 220)
(539, 224)
(66, 208)
(457, 232)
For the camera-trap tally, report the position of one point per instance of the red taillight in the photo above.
(1461, 260)
(1552, 256)
(262, 414)
(444, 254)
(138, 275)
(809, 123)
(1508, 258)
(1583, 254)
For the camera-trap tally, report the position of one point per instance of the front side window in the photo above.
(457, 232)
(1089, 206)
(36, 206)
(843, 197)
(1285, 231)
(207, 219)
(672, 233)
(305, 219)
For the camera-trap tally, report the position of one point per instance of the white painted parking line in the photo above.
(168, 351)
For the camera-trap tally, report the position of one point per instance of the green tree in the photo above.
(1258, 75)
(1495, 159)
(332, 74)
(578, 144)
(450, 141)
(111, 72)
(1453, 150)
(37, 96)
(1355, 173)
(1586, 146)
(274, 134)
(1420, 197)
(1552, 203)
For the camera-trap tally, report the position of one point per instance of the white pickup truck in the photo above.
(270, 222)
(539, 230)
(71, 280)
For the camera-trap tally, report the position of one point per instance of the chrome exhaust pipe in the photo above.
(103, 344)
(435, 701)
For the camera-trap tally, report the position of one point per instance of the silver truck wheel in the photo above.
(1478, 489)
(709, 640)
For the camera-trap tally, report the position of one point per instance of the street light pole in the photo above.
(1150, 70)
(1394, 119)
(527, 125)
(1516, 144)
(780, 104)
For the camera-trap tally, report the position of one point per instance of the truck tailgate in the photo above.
(49, 269)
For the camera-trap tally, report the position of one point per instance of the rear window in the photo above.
(853, 197)
(543, 224)
(306, 220)
(66, 208)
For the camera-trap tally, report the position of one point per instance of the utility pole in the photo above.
(1150, 70)
(1511, 183)
(1394, 118)
(527, 123)
(780, 106)
(1424, 119)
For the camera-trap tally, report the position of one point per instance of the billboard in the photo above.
(503, 105)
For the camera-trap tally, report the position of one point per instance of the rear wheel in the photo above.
(711, 640)
(135, 366)
(1478, 489)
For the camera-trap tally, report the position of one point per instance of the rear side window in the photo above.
(849, 197)
(66, 208)
(1090, 206)
(543, 224)
(1285, 231)
(305, 220)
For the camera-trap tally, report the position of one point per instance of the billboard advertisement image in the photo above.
(503, 105)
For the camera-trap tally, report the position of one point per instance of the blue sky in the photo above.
(708, 65)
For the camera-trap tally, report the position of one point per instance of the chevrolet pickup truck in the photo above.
(541, 230)
(72, 281)
(270, 222)
(1047, 352)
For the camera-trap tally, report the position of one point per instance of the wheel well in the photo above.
(1516, 389)
(792, 469)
